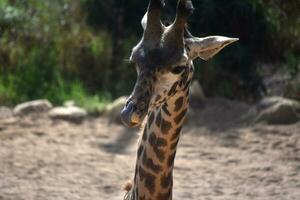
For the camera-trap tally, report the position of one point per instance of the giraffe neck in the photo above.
(157, 149)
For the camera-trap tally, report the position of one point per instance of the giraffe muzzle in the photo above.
(129, 116)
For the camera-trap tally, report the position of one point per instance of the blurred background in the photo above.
(64, 49)
(241, 137)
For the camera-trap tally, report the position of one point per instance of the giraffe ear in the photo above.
(144, 21)
(206, 48)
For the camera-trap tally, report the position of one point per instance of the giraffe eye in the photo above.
(178, 70)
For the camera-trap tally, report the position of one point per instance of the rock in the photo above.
(69, 103)
(72, 113)
(277, 110)
(32, 106)
(216, 113)
(196, 91)
(113, 110)
(5, 112)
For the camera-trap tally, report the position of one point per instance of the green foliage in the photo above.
(292, 65)
(64, 49)
(45, 47)
(259, 25)
(92, 103)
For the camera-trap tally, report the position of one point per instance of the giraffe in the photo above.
(160, 99)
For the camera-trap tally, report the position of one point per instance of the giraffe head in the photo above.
(163, 59)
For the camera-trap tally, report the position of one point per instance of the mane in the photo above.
(127, 187)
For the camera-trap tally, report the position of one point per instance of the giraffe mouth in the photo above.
(129, 115)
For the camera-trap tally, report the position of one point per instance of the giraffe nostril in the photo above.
(128, 101)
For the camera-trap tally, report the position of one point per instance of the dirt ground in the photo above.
(41, 159)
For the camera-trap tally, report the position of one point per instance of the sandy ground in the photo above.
(41, 159)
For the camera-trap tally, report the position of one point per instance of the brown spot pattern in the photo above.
(166, 180)
(148, 162)
(176, 133)
(161, 142)
(187, 85)
(155, 168)
(160, 154)
(158, 97)
(171, 159)
(142, 198)
(178, 104)
(184, 79)
(173, 89)
(155, 141)
(164, 196)
(150, 182)
(174, 145)
(187, 92)
(165, 109)
(165, 126)
(152, 139)
(180, 116)
(158, 119)
(141, 173)
(144, 160)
